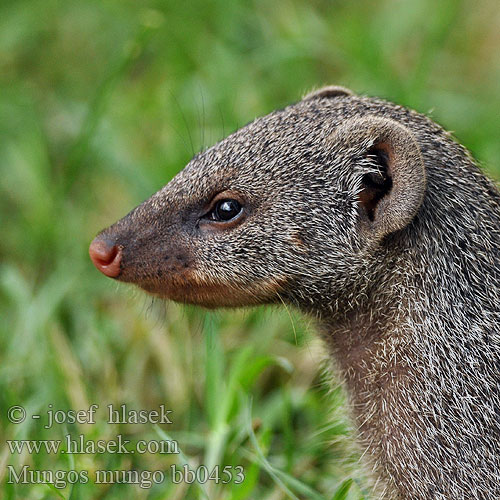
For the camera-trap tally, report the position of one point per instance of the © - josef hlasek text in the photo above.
(114, 415)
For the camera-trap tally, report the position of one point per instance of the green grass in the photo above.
(101, 103)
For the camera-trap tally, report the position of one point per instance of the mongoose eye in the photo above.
(226, 210)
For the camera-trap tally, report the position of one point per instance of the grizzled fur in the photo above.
(370, 217)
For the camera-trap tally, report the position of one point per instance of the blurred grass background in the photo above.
(101, 103)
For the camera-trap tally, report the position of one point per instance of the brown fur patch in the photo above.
(191, 288)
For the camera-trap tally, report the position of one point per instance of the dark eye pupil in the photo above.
(227, 209)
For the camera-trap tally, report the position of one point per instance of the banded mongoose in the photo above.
(370, 217)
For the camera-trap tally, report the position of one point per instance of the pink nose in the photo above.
(105, 257)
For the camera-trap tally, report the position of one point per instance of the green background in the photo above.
(101, 103)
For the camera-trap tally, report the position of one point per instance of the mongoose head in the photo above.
(288, 208)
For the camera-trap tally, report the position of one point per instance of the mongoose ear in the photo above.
(330, 91)
(392, 168)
